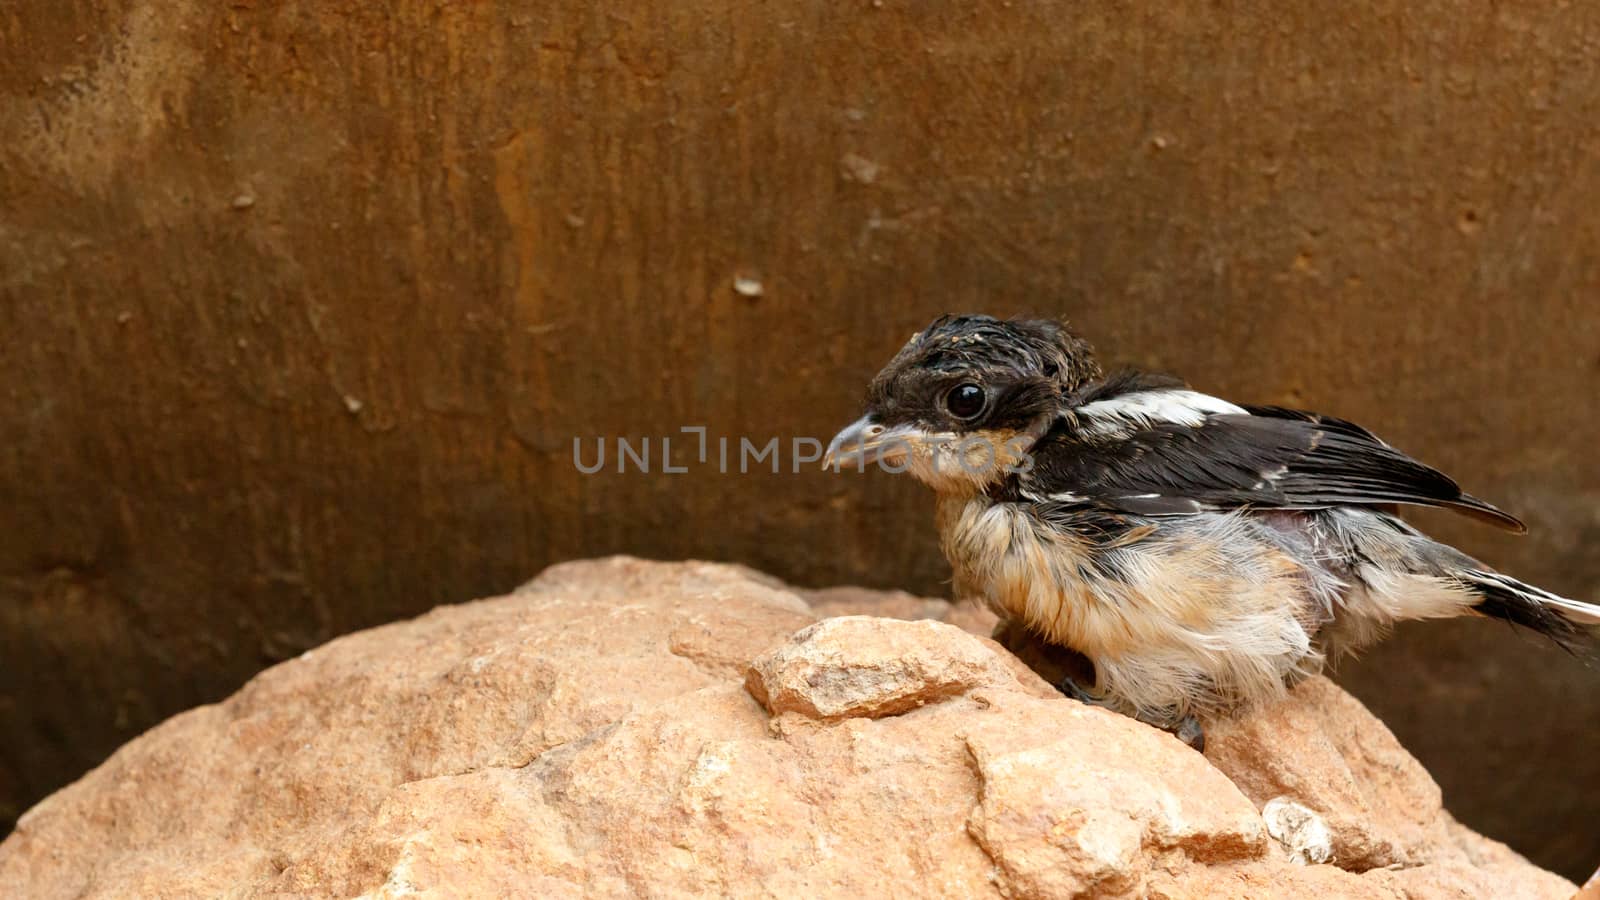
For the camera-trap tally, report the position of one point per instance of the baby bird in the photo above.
(1201, 554)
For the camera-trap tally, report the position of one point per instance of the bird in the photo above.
(1203, 555)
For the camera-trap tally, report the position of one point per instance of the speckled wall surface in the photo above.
(304, 302)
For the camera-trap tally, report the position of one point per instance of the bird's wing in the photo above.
(1156, 449)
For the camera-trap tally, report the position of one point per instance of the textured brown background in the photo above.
(302, 303)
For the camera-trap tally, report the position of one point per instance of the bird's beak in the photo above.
(864, 442)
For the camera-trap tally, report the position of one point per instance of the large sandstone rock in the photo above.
(625, 728)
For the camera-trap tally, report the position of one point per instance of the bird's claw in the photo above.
(1186, 729)
(1189, 731)
(1069, 686)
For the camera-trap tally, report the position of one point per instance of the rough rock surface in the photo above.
(627, 728)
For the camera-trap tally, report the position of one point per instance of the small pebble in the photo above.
(745, 286)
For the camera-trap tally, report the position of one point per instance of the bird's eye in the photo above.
(965, 401)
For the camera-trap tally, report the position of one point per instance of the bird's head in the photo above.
(963, 401)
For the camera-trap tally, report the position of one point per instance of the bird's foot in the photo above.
(1069, 686)
(1189, 731)
(1186, 729)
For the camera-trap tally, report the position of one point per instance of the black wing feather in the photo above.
(1270, 458)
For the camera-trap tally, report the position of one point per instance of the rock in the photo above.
(1322, 751)
(624, 728)
(862, 666)
(855, 601)
(1072, 802)
(1298, 830)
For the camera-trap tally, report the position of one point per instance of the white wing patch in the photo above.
(1147, 408)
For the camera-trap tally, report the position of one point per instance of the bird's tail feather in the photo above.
(1556, 617)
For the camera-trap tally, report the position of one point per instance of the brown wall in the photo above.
(302, 303)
